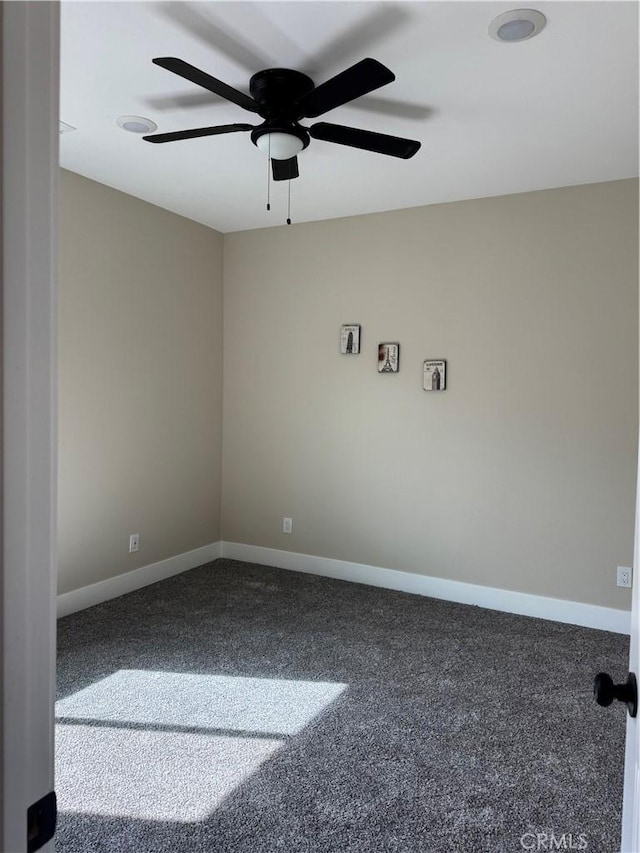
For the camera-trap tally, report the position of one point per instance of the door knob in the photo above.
(606, 691)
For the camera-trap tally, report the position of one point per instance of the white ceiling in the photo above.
(493, 118)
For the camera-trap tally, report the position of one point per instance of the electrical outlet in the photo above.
(625, 576)
(287, 525)
(134, 542)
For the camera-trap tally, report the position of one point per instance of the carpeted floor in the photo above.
(245, 709)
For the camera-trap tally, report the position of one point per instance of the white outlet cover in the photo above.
(625, 576)
(287, 525)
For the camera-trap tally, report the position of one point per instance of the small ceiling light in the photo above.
(136, 124)
(517, 25)
(280, 146)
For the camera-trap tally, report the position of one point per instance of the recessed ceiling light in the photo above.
(136, 124)
(517, 25)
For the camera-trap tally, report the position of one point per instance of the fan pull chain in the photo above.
(269, 176)
(289, 205)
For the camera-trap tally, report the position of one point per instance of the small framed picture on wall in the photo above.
(350, 339)
(388, 357)
(434, 375)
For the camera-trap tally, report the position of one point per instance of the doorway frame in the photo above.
(30, 33)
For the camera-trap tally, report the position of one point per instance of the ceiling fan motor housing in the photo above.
(277, 91)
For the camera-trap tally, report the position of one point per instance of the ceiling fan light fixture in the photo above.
(136, 124)
(517, 25)
(280, 146)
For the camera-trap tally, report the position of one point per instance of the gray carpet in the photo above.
(245, 709)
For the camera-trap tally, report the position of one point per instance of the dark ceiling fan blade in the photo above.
(381, 143)
(363, 77)
(284, 170)
(200, 78)
(197, 131)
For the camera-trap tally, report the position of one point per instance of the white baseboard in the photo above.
(96, 593)
(524, 604)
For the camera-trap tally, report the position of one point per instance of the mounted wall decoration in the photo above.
(350, 340)
(388, 357)
(435, 375)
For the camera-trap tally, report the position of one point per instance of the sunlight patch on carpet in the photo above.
(169, 746)
(221, 702)
(152, 775)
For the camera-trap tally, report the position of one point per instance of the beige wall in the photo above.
(140, 375)
(522, 474)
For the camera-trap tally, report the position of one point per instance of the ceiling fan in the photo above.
(281, 97)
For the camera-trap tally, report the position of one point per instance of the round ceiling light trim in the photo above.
(136, 124)
(517, 25)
